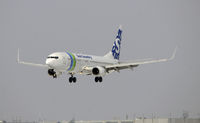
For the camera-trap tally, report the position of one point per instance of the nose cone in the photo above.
(53, 60)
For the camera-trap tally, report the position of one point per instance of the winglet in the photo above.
(29, 63)
(18, 55)
(174, 54)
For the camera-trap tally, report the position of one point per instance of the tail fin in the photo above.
(115, 51)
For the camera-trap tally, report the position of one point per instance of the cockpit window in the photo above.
(53, 57)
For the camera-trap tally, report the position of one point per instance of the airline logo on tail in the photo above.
(116, 45)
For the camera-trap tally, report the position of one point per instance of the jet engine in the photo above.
(99, 70)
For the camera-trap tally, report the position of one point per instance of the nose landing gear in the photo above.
(51, 72)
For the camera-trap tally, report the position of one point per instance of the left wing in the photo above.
(130, 65)
(29, 63)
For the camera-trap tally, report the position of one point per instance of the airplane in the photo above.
(98, 66)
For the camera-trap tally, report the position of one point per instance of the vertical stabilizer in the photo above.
(115, 51)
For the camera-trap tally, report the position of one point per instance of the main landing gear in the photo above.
(98, 79)
(72, 79)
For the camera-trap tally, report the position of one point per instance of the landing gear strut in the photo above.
(98, 79)
(72, 79)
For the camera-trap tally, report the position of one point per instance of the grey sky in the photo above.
(151, 29)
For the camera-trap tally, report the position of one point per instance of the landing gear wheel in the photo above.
(54, 76)
(98, 79)
(74, 79)
(70, 79)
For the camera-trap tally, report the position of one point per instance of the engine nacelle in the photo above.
(51, 72)
(99, 70)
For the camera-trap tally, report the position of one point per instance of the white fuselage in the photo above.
(74, 63)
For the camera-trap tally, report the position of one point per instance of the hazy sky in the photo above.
(151, 29)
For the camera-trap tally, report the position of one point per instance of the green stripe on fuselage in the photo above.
(74, 61)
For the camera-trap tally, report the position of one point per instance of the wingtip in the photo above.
(174, 54)
(18, 55)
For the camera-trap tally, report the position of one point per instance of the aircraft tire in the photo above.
(100, 79)
(70, 79)
(96, 79)
(54, 76)
(74, 79)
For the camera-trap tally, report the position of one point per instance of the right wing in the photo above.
(29, 63)
(130, 65)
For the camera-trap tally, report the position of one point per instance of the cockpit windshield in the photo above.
(52, 57)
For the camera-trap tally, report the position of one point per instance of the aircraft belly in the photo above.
(80, 64)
